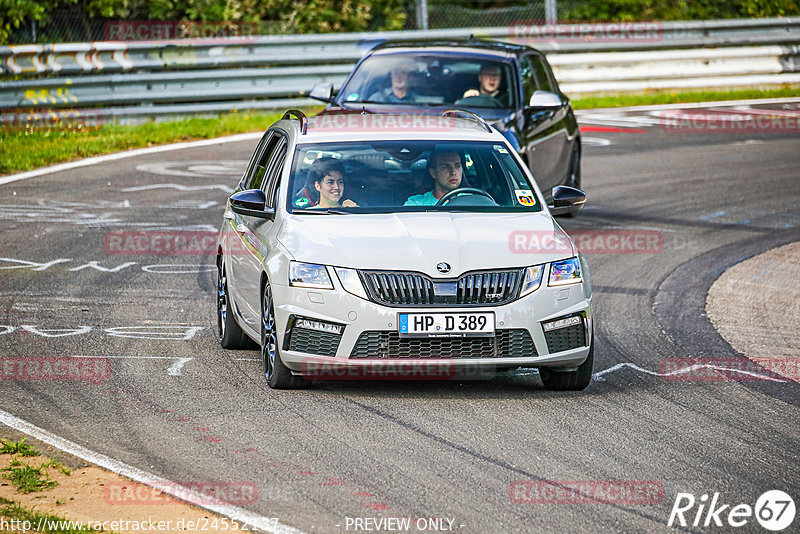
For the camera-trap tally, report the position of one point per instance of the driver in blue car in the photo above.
(446, 169)
(489, 79)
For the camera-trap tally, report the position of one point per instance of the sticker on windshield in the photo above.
(501, 149)
(525, 197)
(301, 202)
(351, 97)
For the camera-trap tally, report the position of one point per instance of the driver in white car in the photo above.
(446, 170)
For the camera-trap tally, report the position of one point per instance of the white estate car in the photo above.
(401, 247)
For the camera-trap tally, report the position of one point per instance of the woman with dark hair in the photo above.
(324, 186)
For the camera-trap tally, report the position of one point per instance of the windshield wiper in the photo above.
(321, 211)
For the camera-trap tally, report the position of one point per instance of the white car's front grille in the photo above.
(480, 288)
(512, 343)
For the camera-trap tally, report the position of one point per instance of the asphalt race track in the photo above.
(468, 454)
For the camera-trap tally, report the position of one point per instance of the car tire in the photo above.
(576, 380)
(278, 376)
(229, 333)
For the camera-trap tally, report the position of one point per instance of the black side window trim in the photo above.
(275, 170)
(248, 173)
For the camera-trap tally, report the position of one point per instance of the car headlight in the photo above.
(532, 280)
(565, 272)
(309, 275)
(351, 282)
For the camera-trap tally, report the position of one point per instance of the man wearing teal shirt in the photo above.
(446, 171)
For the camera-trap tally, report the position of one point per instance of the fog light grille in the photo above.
(571, 337)
(321, 338)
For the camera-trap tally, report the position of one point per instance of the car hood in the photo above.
(419, 241)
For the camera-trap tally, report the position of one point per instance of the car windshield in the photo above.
(402, 176)
(431, 80)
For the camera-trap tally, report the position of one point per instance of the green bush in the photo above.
(637, 10)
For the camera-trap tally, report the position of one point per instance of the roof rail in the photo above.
(469, 115)
(301, 116)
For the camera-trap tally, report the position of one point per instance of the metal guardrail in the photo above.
(129, 79)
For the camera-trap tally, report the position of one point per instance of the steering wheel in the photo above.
(478, 101)
(469, 190)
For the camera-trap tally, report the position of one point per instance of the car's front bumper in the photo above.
(341, 356)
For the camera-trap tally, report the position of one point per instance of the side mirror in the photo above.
(251, 202)
(566, 200)
(322, 92)
(544, 100)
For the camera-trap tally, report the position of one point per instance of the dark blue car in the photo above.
(511, 86)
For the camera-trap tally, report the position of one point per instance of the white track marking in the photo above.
(175, 368)
(195, 170)
(55, 332)
(595, 141)
(599, 376)
(240, 515)
(97, 266)
(178, 268)
(128, 154)
(176, 332)
(179, 187)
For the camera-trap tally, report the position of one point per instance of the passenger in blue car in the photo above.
(400, 91)
(446, 169)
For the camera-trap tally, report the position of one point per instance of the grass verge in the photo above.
(37, 521)
(650, 98)
(28, 479)
(24, 477)
(17, 447)
(31, 149)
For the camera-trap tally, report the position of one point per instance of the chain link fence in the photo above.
(484, 13)
(71, 23)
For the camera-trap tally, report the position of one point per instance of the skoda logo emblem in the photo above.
(443, 267)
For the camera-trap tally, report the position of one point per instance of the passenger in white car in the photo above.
(324, 186)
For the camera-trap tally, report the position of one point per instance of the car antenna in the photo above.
(363, 110)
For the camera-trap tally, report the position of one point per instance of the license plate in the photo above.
(446, 324)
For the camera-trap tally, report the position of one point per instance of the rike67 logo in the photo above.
(774, 510)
